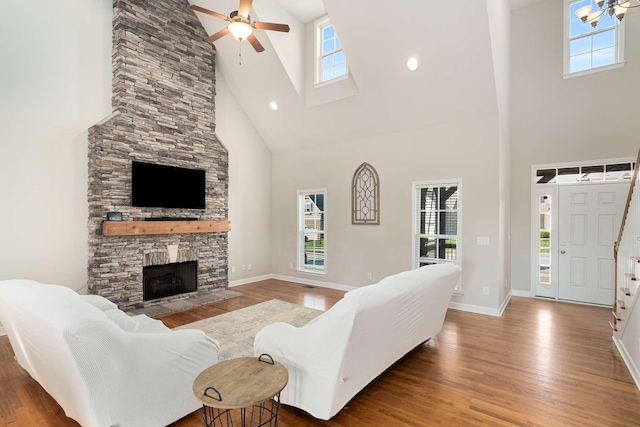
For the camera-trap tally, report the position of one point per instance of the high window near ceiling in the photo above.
(312, 228)
(331, 61)
(587, 48)
(437, 224)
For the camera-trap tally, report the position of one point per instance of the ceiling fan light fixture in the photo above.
(274, 105)
(240, 30)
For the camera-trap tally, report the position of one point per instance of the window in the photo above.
(586, 47)
(312, 230)
(437, 224)
(544, 246)
(586, 174)
(332, 63)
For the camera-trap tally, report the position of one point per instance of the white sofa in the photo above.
(103, 367)
(338, 353)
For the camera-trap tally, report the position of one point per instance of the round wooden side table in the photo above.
(243, 391)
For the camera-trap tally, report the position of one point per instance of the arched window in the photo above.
(365, 196)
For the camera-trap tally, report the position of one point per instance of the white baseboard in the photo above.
(504, 304)
(519, 293)
(475, 309)
(250, 280)
(633, 369)
(2, 332)
(311, 282)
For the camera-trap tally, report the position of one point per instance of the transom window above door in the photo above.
(591, 173)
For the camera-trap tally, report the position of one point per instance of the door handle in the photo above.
(563, 251)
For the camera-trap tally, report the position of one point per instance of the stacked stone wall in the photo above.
(163, 102)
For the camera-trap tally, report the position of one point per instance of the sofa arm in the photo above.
(314, 365)
(154, 370)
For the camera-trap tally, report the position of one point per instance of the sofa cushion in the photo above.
(100, 302)
(138, 324)
(122, 319)
(149, 325)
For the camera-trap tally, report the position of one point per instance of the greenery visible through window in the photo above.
(311, 231)
(437, 224)
(590, 47)
(332, 62)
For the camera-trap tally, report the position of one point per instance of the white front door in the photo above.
(589, 223)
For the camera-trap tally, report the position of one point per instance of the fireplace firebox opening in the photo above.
(167, 280)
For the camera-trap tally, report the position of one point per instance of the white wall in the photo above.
(466, 150)
(561, 120)
(249, 187)
(55, 82)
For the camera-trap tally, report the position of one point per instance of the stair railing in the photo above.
(618, 303)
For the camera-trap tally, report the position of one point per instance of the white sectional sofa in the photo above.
(103, 367)
(338, 353)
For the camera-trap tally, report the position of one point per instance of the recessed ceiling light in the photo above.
(412, 64)
(273, 105)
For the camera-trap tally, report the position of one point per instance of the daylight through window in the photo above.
(544, 247)
(590, 47)
(437, 224)
(331, 60)
(311, 231)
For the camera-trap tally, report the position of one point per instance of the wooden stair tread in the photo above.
(616, 316)
(626, 291)
(630, 276)
(613, 326)
(620, 304)
(636, 258)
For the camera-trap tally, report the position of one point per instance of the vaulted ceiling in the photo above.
(451, 40)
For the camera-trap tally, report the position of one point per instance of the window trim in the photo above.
(619, 46)
(300, 210)
(320, 24)
(414, 224)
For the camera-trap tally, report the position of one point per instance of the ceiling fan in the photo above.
(240, 25)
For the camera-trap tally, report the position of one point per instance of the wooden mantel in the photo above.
(139, 228)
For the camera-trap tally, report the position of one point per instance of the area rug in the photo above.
(236, 330)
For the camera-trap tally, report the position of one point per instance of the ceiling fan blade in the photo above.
(255, 43)
(209, 12)
(244, 8)
(217, 35)
(269, 26)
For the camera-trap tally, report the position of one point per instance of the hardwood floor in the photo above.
(543, 363)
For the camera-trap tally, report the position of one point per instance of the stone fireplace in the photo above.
(163, 103)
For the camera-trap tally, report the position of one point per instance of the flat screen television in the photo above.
(160, 186)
